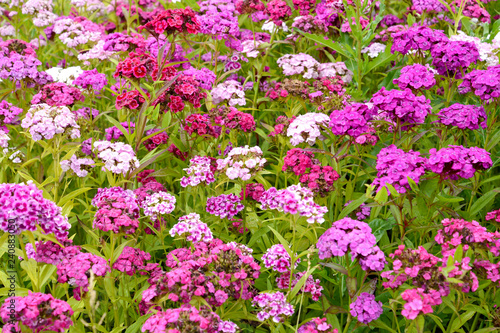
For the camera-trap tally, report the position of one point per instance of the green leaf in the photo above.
(335, 267)
(352, 206)
(72, 195)
(460, 321)
(301, 282)
(482, 202)
(380, 226)
(326, 42)
(443, 197)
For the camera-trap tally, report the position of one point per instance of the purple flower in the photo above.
(452, 58)
(365, 308)
(395, 165)
(415, 76)
(416, 38)
(348, 235)
(455, 162)
(463, 116)
(224, 205)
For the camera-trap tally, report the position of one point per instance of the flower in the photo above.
(117, 210)
(295, 199)
(172, 21)
(242, 162)
(159, 203)
(295, 64)
(317, 325)
(118, 157)
(196, 230)
(365, 308)
(39, 312)
(45, 121)
(452, 58)
(23, 208)
(307, 128)
(201, 170)
(272, 305)
(230, 91)
(455, 162)
(416, 77)
(463, 116)
(278, 259)
(348, 235)
(394, 166)
(224, 205)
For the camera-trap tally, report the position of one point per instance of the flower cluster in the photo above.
(295, 64)
(317, 325)
(231, 118)
(278, 259)
(118, 157)
(272, 305)
(420, 38)
(21, 67)
(156, 140)
(132, 260)
(58, 94)
(415, 77)
(91, 80)
(320, 179)
(8, 114)
(80, 166)
(159, 203)
(224, 205)
(201, 125)
(230, 91)
(455, 162)
(187, 318)
(419, 302)
(401, 106)
(201, 170)
(311, 286)
(307, 128)
(452, 58)
(365, 308)
(394, 166)
(196, 230)
(76, 271)
(23, 208)
(463, 116)
(45, 121)
(294, 200)
(172, 21)
(484, 83)
(213, 270)
(348, 235)
(252, 191)
(242, 162)
(299, 161)
(352, 120)
(51, 253)
(117, 210)
(37, 311)
(282, 124)
(114, 133)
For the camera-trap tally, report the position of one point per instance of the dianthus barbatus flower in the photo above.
(76, 271)
(420, 38)
(272, 305)
(132, 260)
(45, 121)
(158, 204)
(294, 199)
(452, 58)
(173, 21)
(242, 162)
(307, 128)
(401, 106)
(224, 205)
(365, 308)
(39, 312)
(355, 237)
(295, 64)
(201, 170)
(317, 325)
(187, 318)
(416, 77)
(278, 259)
(192, 228)
(24, 207)
(117, 210)
(118, 157)
(483, 83)
(394, 166)
(353, 120)
(463, 116)
(455, 162)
